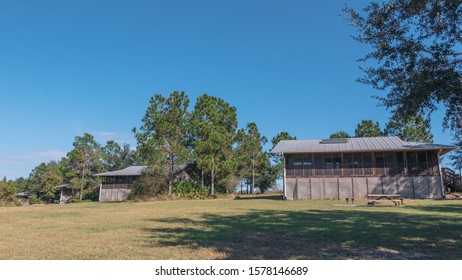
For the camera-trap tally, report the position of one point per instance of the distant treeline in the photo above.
(171, 134)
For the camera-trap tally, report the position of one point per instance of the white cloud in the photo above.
(14, 166)
(105, 133)
(103, 136)
(42, 156)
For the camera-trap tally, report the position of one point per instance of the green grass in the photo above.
(261, 228)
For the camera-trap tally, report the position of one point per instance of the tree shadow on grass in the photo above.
(313, 235)
(446, 209)
(266, 197)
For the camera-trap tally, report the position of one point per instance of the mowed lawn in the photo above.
(259, 227)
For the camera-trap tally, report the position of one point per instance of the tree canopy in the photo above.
(277, 159)
(214, 124)
(251, 153)
(455, 157)
(163, 138)
(367, 128)
(340, 134)
(416, 55)
(415, 129)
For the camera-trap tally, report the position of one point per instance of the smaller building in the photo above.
(23, 198)
(66, 193)
(116, 185)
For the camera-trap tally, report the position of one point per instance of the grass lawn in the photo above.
(257, 227)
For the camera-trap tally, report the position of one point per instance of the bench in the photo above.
(348, 200)
(395, 198)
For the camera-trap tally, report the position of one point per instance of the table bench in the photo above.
(395, 198)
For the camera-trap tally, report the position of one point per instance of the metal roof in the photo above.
(362, 144)
(136, 171)
(129, 171)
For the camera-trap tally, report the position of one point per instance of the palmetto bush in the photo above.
(189, 189)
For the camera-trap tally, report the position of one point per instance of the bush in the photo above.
(148, 186)
(189, 189)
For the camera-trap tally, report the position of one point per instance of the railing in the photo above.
(380, 170)
(452, 181)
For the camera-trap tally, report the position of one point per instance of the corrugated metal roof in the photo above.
(362, 144)
(136, 171)
(129, 171)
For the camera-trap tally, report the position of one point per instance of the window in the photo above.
(379, 164)
(298, 167)
(412, 168)
(307, 165)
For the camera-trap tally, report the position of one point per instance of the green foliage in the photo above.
(84, 161)
(227, 184)
(414, 128)
(189, 189)
(340, 134)
(277, 159)
(250, 153)
(416, 56)
(8, 192)
(21, 184)
(367, 128)
(151, 184)
(214, 124)
(114, 157)
(455, 157)
(267, 176)
(164, 137)
(43, 181)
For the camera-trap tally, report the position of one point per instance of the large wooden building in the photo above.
(355, 167)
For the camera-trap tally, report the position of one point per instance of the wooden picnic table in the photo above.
(395, 198)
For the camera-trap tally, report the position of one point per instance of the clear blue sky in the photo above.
(70, 67)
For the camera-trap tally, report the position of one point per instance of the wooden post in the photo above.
(338, 188)
(367, 185)
(311, 195)
(373, 164)
(352, 188)
(313, 166)
(284, 176)
(443, 190)
(100, 191)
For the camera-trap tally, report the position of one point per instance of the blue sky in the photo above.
(70, 67)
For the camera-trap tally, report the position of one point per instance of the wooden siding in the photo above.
(116, 188)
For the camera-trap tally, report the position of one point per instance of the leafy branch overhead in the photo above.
(416, 55)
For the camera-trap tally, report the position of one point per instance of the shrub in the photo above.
(189, 189)
(149, 185)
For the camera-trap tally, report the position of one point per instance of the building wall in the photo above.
(359, 187)
(114, 192)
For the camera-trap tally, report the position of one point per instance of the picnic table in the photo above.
(395, 198)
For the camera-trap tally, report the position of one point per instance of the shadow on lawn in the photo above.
(447, 208)
(267, 197)
(316, 234)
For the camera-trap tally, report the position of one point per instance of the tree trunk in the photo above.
(253, 176)
(202, 177)
(212, 186)
(170, 176)
(81, 184)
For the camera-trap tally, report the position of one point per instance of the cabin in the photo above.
(116, 185)
(354, 167)
(66, 193)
